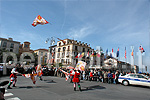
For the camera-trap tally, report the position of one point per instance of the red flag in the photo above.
(87, 54)
(39, 20)
(78, 55)
(98, 55)
(141, 49)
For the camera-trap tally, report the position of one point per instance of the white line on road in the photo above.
(15, 98)
(8, 94)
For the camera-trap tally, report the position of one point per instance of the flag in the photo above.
(98, 55)
(141, 49)
(132, 53)
(78, 55)
(39, 20)
(32, 76)
(125, 53)
(66, 74)
(117, 53)
(112, 52)
(82, 54)
(93, 54)
(80, 65)
(107, 52)
(87, 54)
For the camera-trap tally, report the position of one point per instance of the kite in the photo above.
(39, 20)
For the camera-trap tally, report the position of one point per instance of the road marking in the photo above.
(6, 90)
(8, 94)
(15, 98)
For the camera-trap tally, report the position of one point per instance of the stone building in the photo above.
(42, 56)
(67, 50)
(10, 45)
(113, 64)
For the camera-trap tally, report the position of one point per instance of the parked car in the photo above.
(134, 79)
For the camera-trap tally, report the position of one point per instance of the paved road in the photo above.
(55, 88)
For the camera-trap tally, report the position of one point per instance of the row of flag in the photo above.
(80, 55)
(132, 53)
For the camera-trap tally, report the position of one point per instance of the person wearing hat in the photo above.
(76, 79)
(13, 78)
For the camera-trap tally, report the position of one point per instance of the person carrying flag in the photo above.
(13, 78)
(76, 79)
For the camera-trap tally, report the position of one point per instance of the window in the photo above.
(45, 54)
(64, 48)
(68, 53)
(68, 48)
(12, 45)
(63, 55)
(58, 55)
(41, 53)
(4, 44)
(58, 60)
(83, 49)
(59, 49)
(26, 46)
(140, 76)
(76, 48)
(62, 61)
(132, 75)
(11, 50)
(59, 43)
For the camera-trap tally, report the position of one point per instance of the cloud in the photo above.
(79, 33)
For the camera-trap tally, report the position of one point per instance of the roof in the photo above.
(9, 40)
(27, 42)
(41, 49)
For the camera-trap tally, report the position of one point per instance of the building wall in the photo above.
(10, 45)
(65, 53)
(42, 56)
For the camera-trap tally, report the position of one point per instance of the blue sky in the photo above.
(106, 23)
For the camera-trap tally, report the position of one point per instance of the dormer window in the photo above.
(59, 43)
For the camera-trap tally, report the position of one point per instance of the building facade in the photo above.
(25, 47)
(67, 50)
(42, 56)
(114, 64)
(9, 45)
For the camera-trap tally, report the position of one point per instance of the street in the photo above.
(56, 88)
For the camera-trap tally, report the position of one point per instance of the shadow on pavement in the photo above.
(93, 87)
(49, 81)
(31, 87)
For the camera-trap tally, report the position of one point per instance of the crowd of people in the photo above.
(99, 75)
(105, 76)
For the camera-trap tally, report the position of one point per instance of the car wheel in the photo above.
(125, 83)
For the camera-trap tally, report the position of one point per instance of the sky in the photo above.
(106, 23)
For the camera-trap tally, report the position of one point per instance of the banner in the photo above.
(80, 66)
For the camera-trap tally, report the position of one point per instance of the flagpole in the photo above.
(142, 62)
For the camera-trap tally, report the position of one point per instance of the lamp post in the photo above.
(52, 42)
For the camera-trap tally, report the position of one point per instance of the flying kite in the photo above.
(39, 20)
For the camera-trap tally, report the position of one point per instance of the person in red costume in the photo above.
(76, 79)
(91, 75)
(13, 78)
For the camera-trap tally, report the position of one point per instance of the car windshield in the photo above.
(146, 76)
